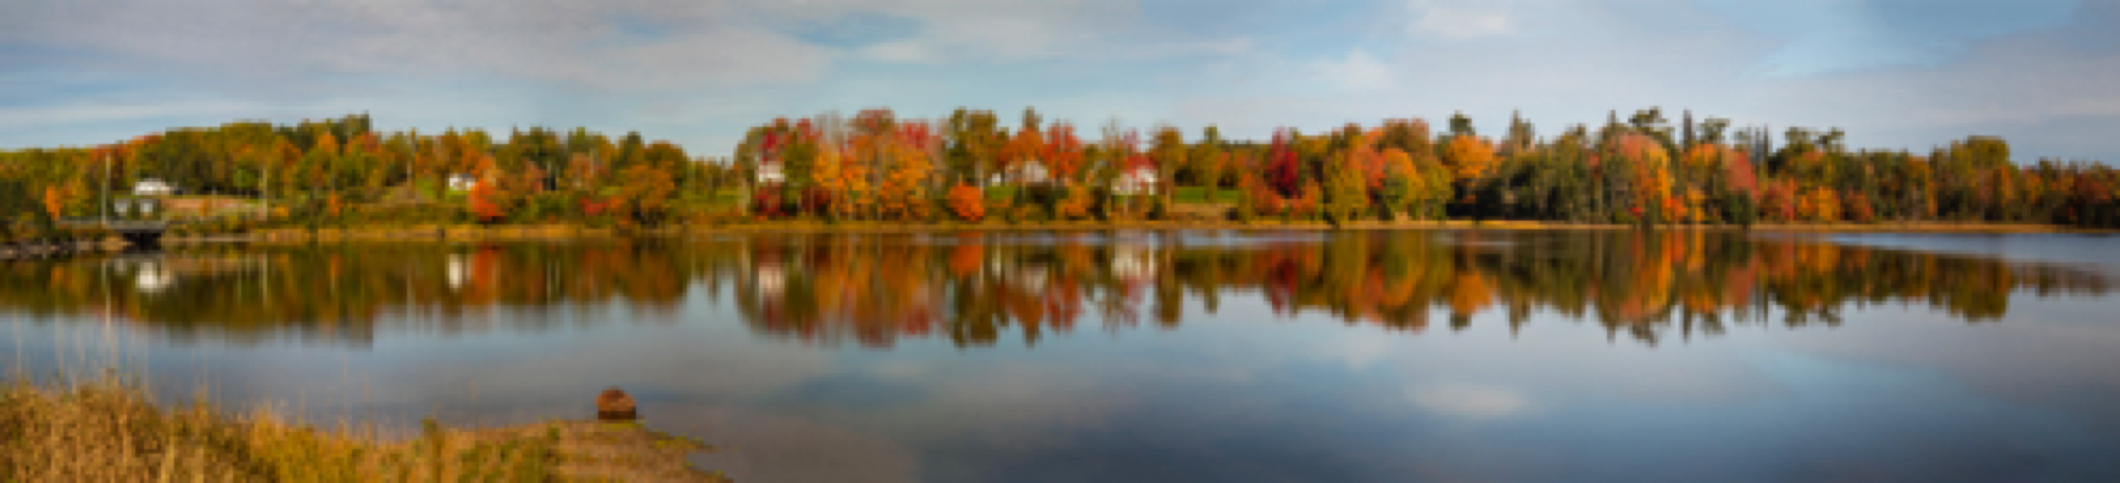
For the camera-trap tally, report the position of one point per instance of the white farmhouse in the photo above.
(1029, 173)
(461, 182)
(1139, 180)
(153, 187)
(770, 173)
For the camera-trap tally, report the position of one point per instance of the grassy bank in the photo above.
(570, 232)
(111, 431)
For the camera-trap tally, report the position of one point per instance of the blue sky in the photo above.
(1895, 73)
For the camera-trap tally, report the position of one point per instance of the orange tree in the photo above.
(904, 193)
(647, 191)
(968, 202)
(1469, 160)
(485, 207)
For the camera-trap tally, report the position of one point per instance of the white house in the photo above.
(461, 182)
(1139, 180)
(1029, 173)
(771, 173)
(153, 187)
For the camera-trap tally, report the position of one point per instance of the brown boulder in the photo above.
(614, 405)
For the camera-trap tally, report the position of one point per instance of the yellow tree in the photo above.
(829, 175)
(907, 189)
(1468, 158)
(857, 193)
(904, 193)
(1820, 205)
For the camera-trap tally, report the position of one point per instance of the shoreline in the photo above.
(571, 232)
(462, 233)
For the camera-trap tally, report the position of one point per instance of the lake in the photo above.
(1163, 356)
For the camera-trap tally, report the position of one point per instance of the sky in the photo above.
(1896, 74)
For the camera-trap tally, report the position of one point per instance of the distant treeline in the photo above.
(876, 166)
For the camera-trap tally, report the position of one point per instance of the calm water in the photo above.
(1368, 356)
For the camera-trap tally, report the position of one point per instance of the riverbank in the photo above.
(110, 431)
(453, 233)
(563, 232)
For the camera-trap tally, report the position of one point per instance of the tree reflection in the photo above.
(976, 289)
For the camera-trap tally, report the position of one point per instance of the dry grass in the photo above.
(111, 431)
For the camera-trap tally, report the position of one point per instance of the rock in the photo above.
(614, 405)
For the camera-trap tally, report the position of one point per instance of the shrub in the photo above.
(1077, 204)
(967, 202)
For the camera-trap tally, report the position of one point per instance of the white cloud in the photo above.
(627, 45)
(1460, 20)
(25, 117)
(905, 51)
(1358, 71)
(1222, 47)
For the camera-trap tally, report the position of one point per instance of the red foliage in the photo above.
(1858, 207)
(766, 202)
(482, 203)
(1778, 201)
(817, 198)
(1743, 178)
(1281, 170)
(2092, 189)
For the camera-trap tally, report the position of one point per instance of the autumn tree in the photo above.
(968, 202)
(904, 193)
(1063, 152)
(1282, 174)
(1401, 186)
(1469, 160)
(1653, 200)
(484, 204)
(1168, 150)
(1021, 154)
(1346, 190)
(647, 191)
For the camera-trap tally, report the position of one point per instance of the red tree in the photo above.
(483, 204)
(1281, 171)
(1738, 169)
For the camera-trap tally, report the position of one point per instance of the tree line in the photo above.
(971, 166)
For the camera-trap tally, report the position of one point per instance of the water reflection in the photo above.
(978, 289)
